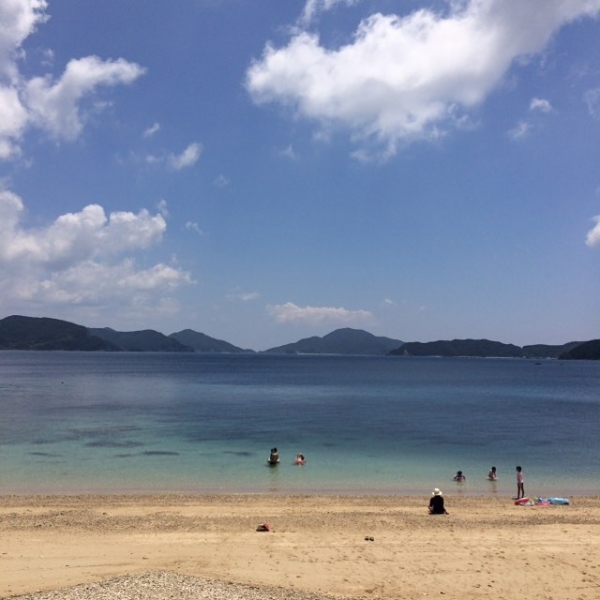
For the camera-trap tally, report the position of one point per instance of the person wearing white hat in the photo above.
(436, 503)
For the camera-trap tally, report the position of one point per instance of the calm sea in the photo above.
(127, 422)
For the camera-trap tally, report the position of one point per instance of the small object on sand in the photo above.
(369, 538)
(264, 527)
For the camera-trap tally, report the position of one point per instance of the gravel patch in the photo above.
(166, 585)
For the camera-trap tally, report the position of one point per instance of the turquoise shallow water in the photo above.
(102, 423)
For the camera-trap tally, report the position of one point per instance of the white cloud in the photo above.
(541, 105)
(290, 312)
(313, 7)
(523, 128)
(93, 283)
(187, 158)
(406, 78)
(153, 129)
(13, 119)
(53, 106)
(81, 258)
(192, 226)
(19, 19)
(520, 130)
(593, 236)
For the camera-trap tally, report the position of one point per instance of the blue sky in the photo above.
(267, 171)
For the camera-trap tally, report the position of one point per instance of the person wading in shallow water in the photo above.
(274, 457)
(459, 476)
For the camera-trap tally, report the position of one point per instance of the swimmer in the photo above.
(300, 459)
(459, 476)
(492, 475)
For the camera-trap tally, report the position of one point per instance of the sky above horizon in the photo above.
(267, 171)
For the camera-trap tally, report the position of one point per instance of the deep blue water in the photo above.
(95, 422)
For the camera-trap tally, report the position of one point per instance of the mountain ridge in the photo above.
(44, 333)
(340, 341)
(146, 340)
(201, 342)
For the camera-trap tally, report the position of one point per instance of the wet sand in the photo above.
(205, 546)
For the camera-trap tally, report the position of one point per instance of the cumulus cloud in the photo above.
(19, 19)
(404, 78)
(290, 312)
(51, 105)
(81, 258)
(54, 106)
(593, 236)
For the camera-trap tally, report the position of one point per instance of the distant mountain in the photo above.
(147, 340)
(33, 333)
(585, 351)
(479, 348)
(341, 341)
(42, 333)
(546, 351)
(201, 342)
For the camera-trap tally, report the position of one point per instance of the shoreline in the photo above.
(319, 547)
(188, 496)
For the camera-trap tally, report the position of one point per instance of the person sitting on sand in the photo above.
(300, 459)
(436, 503)
(274, 456)
(459, 476)
(492, 476)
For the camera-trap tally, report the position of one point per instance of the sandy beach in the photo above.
(197, 546)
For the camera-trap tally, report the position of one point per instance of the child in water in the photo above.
(492, 476)
(459, 476)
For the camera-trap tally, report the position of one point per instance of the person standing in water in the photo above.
(273, 457)
(492, 475)
(520, 483)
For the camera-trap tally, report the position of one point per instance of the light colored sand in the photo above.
(485, 548)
